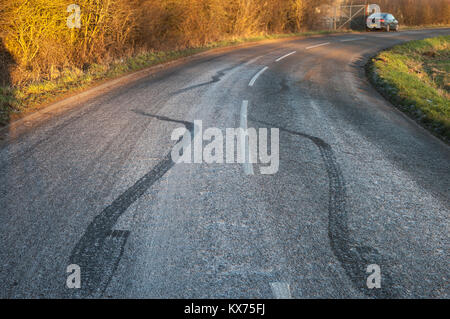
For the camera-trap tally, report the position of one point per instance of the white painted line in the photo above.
(318, 45)
(248, 166)
(353, 39)
(253, 80)
(285, 56)
(281, 290)
(254, 60)
(387, 35)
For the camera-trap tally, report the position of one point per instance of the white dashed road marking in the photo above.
(318, 45)
(281, 290)
(253, 80)
(353, 39)
(285, 56)
(248, 166)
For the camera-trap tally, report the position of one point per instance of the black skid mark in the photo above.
(353, 257)
(100, 249)
(215, 78)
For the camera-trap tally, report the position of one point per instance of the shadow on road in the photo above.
(6, 63)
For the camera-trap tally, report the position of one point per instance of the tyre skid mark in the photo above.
(214, 79)
(353, 257)
(100, 249)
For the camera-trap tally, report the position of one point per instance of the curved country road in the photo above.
(358, 184)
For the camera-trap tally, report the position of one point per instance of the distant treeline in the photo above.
(36, 42)
(417, 12)
(407, 12)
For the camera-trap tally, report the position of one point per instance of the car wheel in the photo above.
(388, 28)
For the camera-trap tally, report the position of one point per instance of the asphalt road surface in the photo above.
(358, 184)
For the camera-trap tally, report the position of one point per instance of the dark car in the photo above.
(382, 21)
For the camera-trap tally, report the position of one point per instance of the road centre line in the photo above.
(253, 60)
(253, 80)
(352, 39)
(285, 56)
(281, 290)
(387, 35)
(318, 45)
(248, 166)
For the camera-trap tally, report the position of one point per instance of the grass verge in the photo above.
(427, 26)
(18, 101)
(415, 77)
